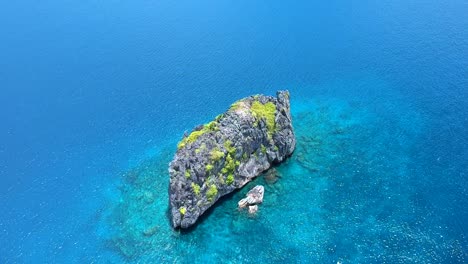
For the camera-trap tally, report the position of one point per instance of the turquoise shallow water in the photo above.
(354, 191)
(95, 96)
(351, 193)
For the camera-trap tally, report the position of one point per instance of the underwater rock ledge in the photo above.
(225, 154)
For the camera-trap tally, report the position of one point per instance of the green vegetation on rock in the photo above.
(201, 148)
(263, 148)
(229, 165)
(210, 127)
(216, 154)
(209, 167)
(267, 112)
(182, 210)
(228, 146)
(230, 179)
(218, 117)
(212, 192)
(191, 138)
(187, 174)
(196, 188)
(181, 144)
(236, 105)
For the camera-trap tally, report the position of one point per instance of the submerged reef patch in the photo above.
(348, 172)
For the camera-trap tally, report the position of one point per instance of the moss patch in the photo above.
(194, 136)
(210, 127)
(267, 112)
(212, 192)
(218, 117)
(196, 188)
(208, 168)
(236, 105)
(263, 148)
(216, 154)
(201, 148)
(229, 165)
(230, 179)
(229, 148)
(182, 210)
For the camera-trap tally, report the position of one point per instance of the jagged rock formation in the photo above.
(252, 199)
(225, 154)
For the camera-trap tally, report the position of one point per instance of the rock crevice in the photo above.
(225, 154)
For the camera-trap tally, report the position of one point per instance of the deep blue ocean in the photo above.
(95, 95)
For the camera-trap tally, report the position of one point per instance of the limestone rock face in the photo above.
(253, 209)
(225, 154)
(253, 197)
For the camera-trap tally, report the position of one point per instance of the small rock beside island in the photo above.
(252, 199)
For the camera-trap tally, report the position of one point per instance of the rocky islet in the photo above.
(228, 152)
